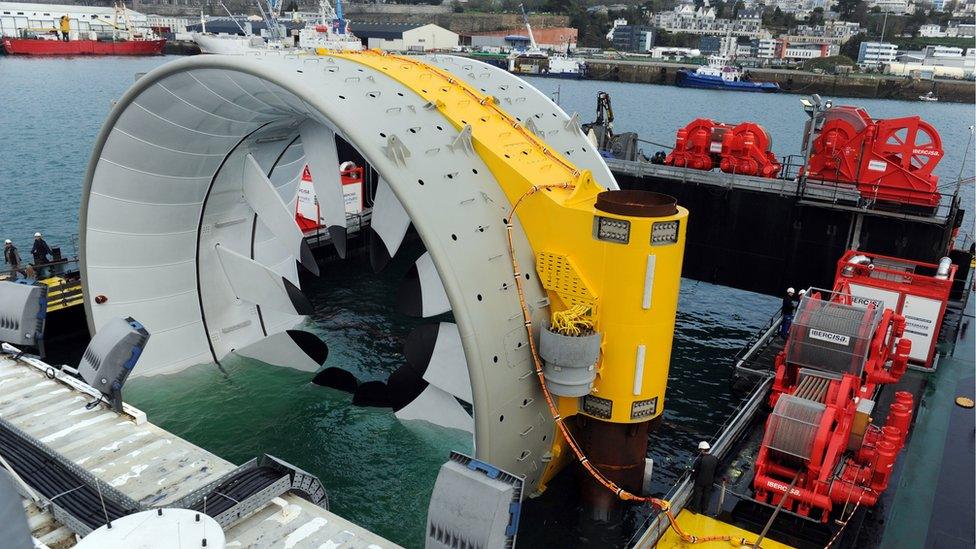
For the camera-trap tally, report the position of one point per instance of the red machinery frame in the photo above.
(698, 145)
(850, 459)
(890, 160)
(348, 176)
(909, 288)
(740, 149)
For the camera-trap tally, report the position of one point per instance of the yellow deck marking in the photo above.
(703, 526)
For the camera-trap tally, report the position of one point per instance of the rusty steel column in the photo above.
(617, 450)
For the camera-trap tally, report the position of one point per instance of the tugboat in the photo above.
(125, 40)
(719, 74)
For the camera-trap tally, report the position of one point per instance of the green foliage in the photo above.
(778, 19)
(592, 27)
(918, 43)
(846, 8)
(676, 39)
(827, 64)
(816, 17)
(852, 47)
(557, 6)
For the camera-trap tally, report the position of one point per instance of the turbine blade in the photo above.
(421, 293)
(262, 197)
(290, 349)
(337, 378)
(388, 226)
(255, 283)
(436, 350)
(372, 394)
(323, 164)
(412, 397)
(438, 407)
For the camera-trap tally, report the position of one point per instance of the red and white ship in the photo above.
(39, 46)
(92, 33)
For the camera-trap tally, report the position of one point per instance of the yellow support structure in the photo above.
(625, 266)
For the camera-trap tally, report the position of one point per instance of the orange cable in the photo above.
(620, 492)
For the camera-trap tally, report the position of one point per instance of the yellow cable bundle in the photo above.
(571, 322)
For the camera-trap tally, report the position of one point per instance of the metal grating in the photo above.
(793, 425)
(830, 336)
(558, 274)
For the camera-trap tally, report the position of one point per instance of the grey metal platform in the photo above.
(823, 194)
(147, 463)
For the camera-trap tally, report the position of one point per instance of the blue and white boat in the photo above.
(718, 74)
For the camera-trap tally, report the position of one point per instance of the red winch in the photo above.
(698, 145)
(741, 149)
(745, 150)
(890, 160)
(820, 437)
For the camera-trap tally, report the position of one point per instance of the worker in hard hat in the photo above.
(11, 258)
(40, 252)
(789, 305)
(704, 475)
(65, 27)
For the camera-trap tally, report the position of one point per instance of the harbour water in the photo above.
(379, 471)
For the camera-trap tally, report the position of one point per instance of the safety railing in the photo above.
(824, 190)
(746, 360)
(820, 190)
(62, 267)
(725, 438)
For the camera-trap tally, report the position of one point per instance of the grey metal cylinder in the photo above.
(570, 362)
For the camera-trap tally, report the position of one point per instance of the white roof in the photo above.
(15, 7)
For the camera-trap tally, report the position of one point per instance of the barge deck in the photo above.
(124, 453)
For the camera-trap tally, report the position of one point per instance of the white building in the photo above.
(406, 37)
(620, 22)
(831, 32)
(943, 51)
(876, 53)
(931, 31)
(766, 48)
(16, 18)
(965, 29)
(802, 52)
(688, 19)
(168, 23)
(675, 54)
(897, 7)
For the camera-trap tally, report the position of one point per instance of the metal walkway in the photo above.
(824, 194)
(154, 468)
(934, 503)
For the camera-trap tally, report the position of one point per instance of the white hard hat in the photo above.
(802, 292)
(7, 241)
(790, 291)
(704, 446)
(37, 234)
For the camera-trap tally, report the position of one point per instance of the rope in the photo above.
(599, 477)
(844, 523)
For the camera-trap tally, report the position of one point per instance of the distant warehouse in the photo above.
(557, 39)
(405, 37)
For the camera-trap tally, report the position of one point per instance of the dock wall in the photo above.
(765, 242)
(880, 87)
